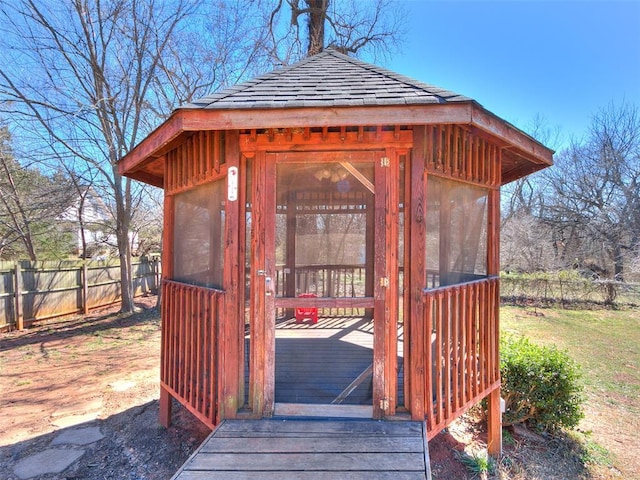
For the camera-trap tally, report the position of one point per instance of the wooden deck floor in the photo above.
(287, 449)
(316, 363)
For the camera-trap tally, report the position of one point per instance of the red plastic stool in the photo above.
(302, 313)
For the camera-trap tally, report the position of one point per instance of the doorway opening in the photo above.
(324, 257)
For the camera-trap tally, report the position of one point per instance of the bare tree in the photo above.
(526, 245)
(224, 43)
(346, 25)
(147, 223)
(526, 195)
(94, 65)
(86, 80)
(594, 207)
(526, 242)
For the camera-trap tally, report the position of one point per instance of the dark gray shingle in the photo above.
(328, 79)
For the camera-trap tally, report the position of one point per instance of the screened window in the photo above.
(456, 250)
(198, 254)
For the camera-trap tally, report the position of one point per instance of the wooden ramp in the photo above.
(287, 449)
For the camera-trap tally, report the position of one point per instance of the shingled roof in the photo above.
(331, 90)
(328, 79)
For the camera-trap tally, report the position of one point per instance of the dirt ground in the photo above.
(103, 370)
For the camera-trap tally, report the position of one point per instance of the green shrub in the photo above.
(541, 386)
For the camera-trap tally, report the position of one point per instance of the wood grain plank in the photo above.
(269, 319)
(194, 475)
(314, 449)
(232, 328)
(415, 281)
(311, 444)
(326, 426)
(323, 410)
(371, 462)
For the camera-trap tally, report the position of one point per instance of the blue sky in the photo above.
(560, 60)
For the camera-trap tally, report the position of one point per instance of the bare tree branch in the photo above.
(341, 24)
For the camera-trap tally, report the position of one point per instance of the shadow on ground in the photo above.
(66, 328)
(134, 447)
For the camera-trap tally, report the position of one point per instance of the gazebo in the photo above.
(331, 237)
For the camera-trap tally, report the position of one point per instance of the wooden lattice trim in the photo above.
(455, 152)
(318, 139)
(196, 161)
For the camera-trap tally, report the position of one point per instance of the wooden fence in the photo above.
(34, 291)
(553, 289)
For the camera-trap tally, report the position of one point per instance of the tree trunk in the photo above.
(83, 237)
(123, 220)
(618, 263)
(317, 16)
(126, 285)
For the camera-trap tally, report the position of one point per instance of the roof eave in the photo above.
(184, 121)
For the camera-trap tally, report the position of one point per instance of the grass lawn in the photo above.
(606, 343)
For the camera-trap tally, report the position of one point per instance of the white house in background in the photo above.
(89, 215)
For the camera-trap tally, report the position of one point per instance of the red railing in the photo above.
(188, 367)
(464, 363)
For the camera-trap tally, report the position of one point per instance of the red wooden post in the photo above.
(381, 285)
(167, 271)
(494, 414)
(494, 424)
(392, 199)
(231, 360)
(164, 415)
(258, 342)
(268, 287)
(415, 285)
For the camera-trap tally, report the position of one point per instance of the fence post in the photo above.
(156, 275)
(18, 298)
(85, 288)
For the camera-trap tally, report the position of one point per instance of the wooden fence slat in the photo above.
(438, 359)
(446, 317)
(179, 367)
(18, 297)
(455, 334)
(462, 314)
(470, 333)
(428, 350)
(446, 145)
(216, 150)
(484, 338)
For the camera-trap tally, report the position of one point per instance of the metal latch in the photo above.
(384, 281)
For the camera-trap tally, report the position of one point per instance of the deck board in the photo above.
(193, 475)
(310, 449)
(313, 444)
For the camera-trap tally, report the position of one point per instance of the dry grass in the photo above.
(606, 343)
